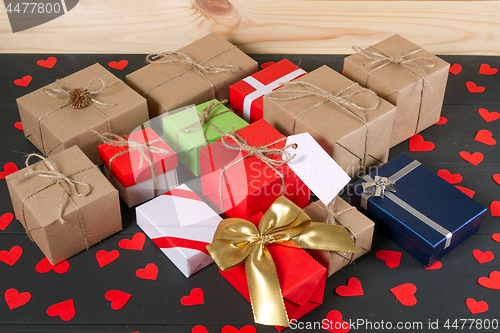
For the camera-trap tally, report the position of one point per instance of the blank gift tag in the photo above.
(316, 168)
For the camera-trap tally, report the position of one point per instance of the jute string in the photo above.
(340, 98)
(68, 186)
(381, 59)
(64, 91)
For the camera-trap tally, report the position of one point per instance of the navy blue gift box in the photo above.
(417, 209)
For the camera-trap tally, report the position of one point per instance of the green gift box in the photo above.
(190, 130)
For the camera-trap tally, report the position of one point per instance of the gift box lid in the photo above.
(425, 214)
(126, 168)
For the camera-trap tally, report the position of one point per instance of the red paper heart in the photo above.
(9, 168)
(495, 208)
(244, 329)
(49, 63)
(470, 193)
(136, 243)
(18, 125)
(417, 143)
(473, 88)
(455, 69)
(24, 82)
(405, 294)
(118, 65)
(442, 121)
(16, 299)
(5, 220)
(45, 266)
(483, 257)
(493, 282)
(496, 237)
(476, 307)
(117, 298)
(334, 323)
(473, 159)
(434, 266)
(104, 257)
(486, 137)
(267, 64)
(485, 69)
(496, 178)
(391, 258)
(450, 178)
(150, 272)
(65, 310)
(194, 298)
(488, 116)
(199, 329)
(12, 256)
(353, 288)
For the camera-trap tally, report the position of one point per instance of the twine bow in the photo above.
(239, 241)
(379, 186)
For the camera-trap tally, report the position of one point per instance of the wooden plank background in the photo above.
(323, 27)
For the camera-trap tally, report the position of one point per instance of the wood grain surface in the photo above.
(312, 27)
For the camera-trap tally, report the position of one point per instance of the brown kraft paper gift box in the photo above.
(36, 201)
(178, 82)
(52, 124)
(418, 104)
(341, 128)
(359, 226)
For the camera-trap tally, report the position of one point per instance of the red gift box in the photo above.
(247, 95)
(125, 168)
(302, 279)
(249, 185)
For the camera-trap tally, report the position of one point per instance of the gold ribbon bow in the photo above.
(379, 186)
(237, 241)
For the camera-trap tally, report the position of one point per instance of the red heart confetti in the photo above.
(150, 272)
(476, 307)
(199, 329)
(485, 136)
(15, 299)
(391, 258)
(473, 88)
(18, 125)
(104, 257)
(496, 178)
(496, 237)
(45, 266)
(24, 82)
(12, 256)
(334, 323)
(405, 294)
(470, 193)
(488, 116)
(49, 63)
(434, 266)
(493, 282)
(455, 69)
(244, 329)
(136, 243)
(267, 64)
(449, 177)
(417, 143)
(5, 220)
(442, 121)
(117, 298)
(9, 168)
(65, 310)
(495, 208)
(118, 64)
(473, 159)
(485, 69)
(483, 257)
(353, 288)
(195, 297)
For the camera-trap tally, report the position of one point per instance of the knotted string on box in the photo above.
(78, 98)
(340, 98)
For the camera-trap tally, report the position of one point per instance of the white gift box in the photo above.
(182, 225)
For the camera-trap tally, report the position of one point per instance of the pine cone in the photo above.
(79, 98)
